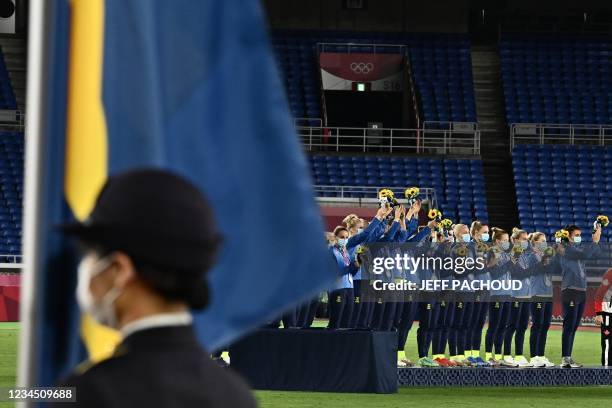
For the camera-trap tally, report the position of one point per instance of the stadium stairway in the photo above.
(494, 143)
(14, 50)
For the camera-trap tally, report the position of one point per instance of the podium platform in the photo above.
(318, 360)
(503, 377)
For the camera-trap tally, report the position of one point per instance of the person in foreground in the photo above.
(147, 244)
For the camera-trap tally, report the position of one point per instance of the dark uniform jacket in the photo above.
(159, 367)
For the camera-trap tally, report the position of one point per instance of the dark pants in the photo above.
(479, 315)
(389, 316)
(428, 318)
(458, 334)
(499, 314)
(541, 315)
(347, 315)
(340, 302)
(366, 314)
(517, 326)
(306, 313)
(378, 314)
(357, 304)
(409, 312)
(443, 327)
(572, 313)
(606, 340)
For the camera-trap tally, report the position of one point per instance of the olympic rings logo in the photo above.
(362, 67)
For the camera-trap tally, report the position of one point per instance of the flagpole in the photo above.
(35, 120)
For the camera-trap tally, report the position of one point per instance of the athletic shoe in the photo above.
(547, 362)
(466, 362)
(481, 362)
(537, 362)
(472, 361)
(443, 362)
(568, 362)
(522, 362)
(493, 363)
(407, 362)
(458, 361)
(508, 361)
(427, 362)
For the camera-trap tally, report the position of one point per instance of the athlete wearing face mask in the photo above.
(480, 307)
(500, 268)
(148, 243)
(519, 310)
(574, 286)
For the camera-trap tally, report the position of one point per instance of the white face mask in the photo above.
(102, 311)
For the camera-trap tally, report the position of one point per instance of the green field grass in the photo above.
(8, 353)
(586, 350)
(445, 397)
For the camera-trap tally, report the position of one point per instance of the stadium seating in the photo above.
(557, 80)
(11, 182)
(459, 183)
(441, 66)
(562, 184)
(7, 97)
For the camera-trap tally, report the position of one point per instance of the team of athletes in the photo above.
(450, 322)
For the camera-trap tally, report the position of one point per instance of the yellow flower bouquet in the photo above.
(601, 221)
(386, 198)
(562, 235)
(517, 250)
(411, 192)
(434, 214)
(549, 252)
(446, 224)
(460, 250)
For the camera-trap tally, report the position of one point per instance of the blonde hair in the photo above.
(457, 227)
(351, 220)
(498, 233)
(338, 229)
(476, 226)
(516, 232)
(534, 236)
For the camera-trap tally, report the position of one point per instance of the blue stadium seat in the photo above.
(578, 194)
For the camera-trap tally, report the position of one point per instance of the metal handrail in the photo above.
(550, 133)
(432, 141)
(321, 46)
(16, 259)
(449, 125)
(428, 193)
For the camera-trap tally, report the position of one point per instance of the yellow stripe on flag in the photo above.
(86, 148)
(86, 143)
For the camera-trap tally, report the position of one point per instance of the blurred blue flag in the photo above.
(192, 87)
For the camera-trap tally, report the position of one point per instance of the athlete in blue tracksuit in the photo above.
(446, 312)
(429, 307)
(384, 311)
(341, 296)
(480, 238)
(519, 308)
(499, 267)
(463, 302)
(541, 269)
(573, 287)
(410, 305)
